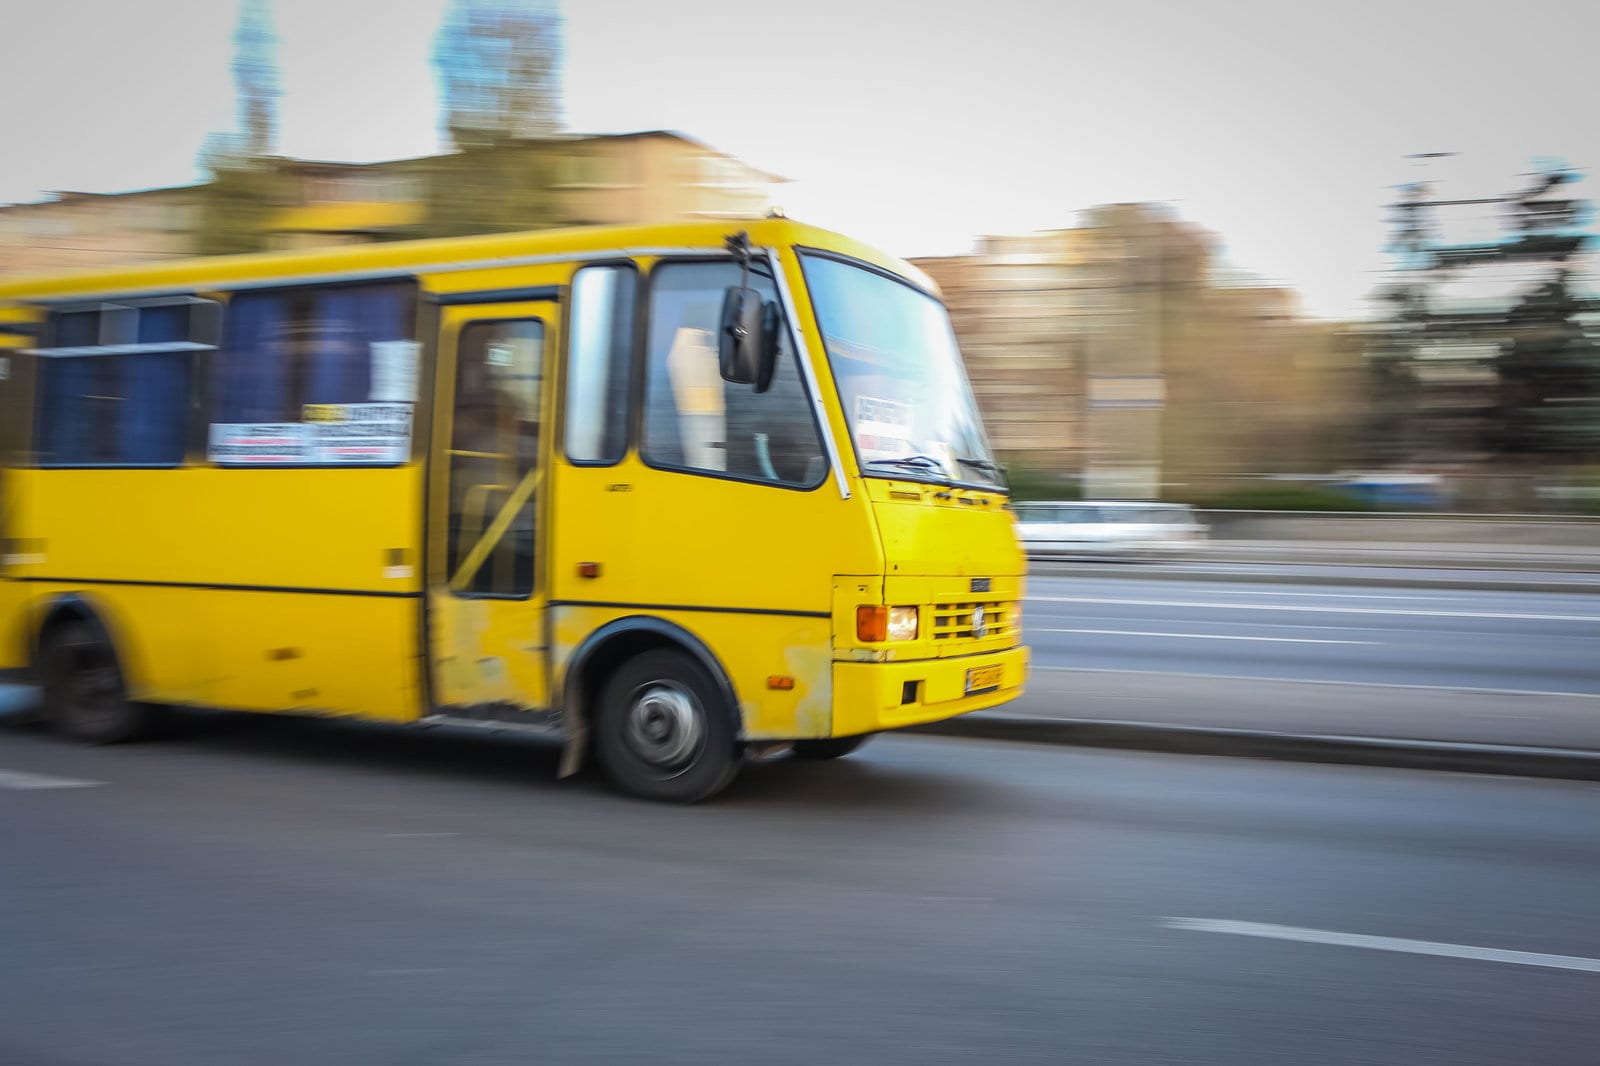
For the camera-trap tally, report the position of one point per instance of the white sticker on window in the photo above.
(359, 433)
(883, 427)
(259, 443)
(394, 371)
(340, 434)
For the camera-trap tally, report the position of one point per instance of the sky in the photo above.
(916, 126)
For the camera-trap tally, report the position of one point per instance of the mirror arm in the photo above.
(739, 245)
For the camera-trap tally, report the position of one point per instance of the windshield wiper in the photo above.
(915, 462)
(993, 469)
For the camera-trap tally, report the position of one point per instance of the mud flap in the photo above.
(576, 746)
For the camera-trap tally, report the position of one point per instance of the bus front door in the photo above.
(486, 582)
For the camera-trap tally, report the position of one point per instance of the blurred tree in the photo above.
(497, 63)
(255, 79)
(1454, 382)
(244, 185)
(1549, 375)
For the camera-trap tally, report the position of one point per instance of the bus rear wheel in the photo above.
(663, 730)
(84, 695)
(829, 748)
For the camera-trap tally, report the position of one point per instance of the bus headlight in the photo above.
(902, 623)
(876, 624)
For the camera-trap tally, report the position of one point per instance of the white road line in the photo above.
(1385, 943)
(1201, 636)
(17, 779)
(1036, 667)
(1433, 595)
(1311, 609)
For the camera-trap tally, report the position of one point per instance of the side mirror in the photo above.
(747, 342)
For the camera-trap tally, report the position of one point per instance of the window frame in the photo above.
(759, 266)
(205, 321)
(802, 253)
(632, 366)
(536, 586)
(215, 368)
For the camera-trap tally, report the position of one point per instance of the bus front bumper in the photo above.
(871, 697)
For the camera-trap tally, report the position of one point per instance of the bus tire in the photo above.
(830, 747)
(84, 694)
(663, 730)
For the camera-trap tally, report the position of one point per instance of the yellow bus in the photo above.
(679, 495)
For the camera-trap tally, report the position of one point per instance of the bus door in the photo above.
(486, 577)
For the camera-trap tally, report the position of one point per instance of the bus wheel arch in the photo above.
(691, 679)
(77, 661)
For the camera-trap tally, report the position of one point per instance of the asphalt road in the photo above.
(274, 891)
(1518, 641)
(1474, 666)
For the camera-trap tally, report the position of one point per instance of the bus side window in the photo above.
(694, 420)
(314, 354)
(113, 385)
(599, 355)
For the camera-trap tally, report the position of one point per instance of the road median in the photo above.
(1369, 571)
(1511, 760)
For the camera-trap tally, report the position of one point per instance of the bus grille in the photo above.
(953, 621)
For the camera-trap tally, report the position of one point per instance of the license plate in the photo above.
(983, 679)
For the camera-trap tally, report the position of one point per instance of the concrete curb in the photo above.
(1146, 572)
(1564, 764)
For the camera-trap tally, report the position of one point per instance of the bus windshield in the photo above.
(900, 377)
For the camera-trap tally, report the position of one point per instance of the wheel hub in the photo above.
(665, 725)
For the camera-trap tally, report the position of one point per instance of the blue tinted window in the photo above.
(285, 349)
(113, 409)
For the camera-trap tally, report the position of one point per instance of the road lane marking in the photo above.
(1458, 594)
(1312, 609)
(23, 782)
(1201, 636)
(1430, 595)
(1384, 943)
(1036, 667)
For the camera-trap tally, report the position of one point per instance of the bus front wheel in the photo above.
(663, 730)
(84, 694)
(829, 748)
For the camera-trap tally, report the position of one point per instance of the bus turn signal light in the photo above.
(876, 624)
(872, 624)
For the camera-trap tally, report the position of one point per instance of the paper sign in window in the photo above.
(394, 371)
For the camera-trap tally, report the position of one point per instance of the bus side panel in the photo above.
(14, 643)
(187, 561)
(162, 644)
(318, 654)
(320, 607)
(13, 625)
(751, 648)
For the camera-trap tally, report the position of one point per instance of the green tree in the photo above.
(243, 187)
(498, 64)
(1549, 374)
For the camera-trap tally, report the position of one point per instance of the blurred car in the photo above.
(1108, 529)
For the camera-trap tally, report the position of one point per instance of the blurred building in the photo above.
(607, 179)
(1119, 352)
(79, 229)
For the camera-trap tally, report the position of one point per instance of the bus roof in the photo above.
(431, 256)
